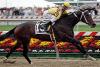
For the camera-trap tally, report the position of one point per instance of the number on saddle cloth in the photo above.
(41, 27)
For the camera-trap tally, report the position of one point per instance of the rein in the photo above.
(53, 39)
(82, 15)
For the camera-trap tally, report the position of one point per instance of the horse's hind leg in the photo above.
(25, 42)
(13, 49)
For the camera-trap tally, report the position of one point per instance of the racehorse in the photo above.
(63, 30)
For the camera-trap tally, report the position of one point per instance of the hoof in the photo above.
(30, 62)
(3, 59)
(11, 62)
(91, 58)
(88, 57)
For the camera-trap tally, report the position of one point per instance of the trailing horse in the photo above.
(63, 30)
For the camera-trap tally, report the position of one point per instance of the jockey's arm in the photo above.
(51, 17)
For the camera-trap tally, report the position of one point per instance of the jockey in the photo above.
(54, 13)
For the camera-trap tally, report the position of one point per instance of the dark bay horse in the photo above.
(63, 30)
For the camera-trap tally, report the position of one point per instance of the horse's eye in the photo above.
(89, 13)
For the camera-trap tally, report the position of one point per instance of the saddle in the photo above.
(42, 27)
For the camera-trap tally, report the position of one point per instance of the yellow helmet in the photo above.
(66, 4)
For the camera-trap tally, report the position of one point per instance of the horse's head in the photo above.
(81, 15)
(86, 15)
(87, 18)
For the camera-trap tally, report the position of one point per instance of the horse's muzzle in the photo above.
(93, 25)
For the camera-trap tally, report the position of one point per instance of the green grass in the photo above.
(86, 28)
(6, 27)
(77, 28)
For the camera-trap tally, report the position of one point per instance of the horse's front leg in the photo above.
(25, 43)
(77, 44)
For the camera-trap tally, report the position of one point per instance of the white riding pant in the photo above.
(49, 16)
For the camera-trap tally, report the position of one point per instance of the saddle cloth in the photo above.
(40, 27)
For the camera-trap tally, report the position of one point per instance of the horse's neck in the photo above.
(68, 20)
(72, 19)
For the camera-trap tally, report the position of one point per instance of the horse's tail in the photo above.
(8, 34)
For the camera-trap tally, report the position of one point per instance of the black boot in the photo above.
(47, 26)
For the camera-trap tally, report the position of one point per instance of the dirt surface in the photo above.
(21, 62)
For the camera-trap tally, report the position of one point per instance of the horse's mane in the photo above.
(69, 17)
(82, 8)
(68, 14)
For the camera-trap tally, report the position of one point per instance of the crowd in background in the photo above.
(27, 12)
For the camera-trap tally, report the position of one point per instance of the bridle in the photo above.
(82, 15)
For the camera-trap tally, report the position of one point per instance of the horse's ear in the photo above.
(81, 10)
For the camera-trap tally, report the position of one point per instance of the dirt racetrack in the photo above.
(21, 62)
